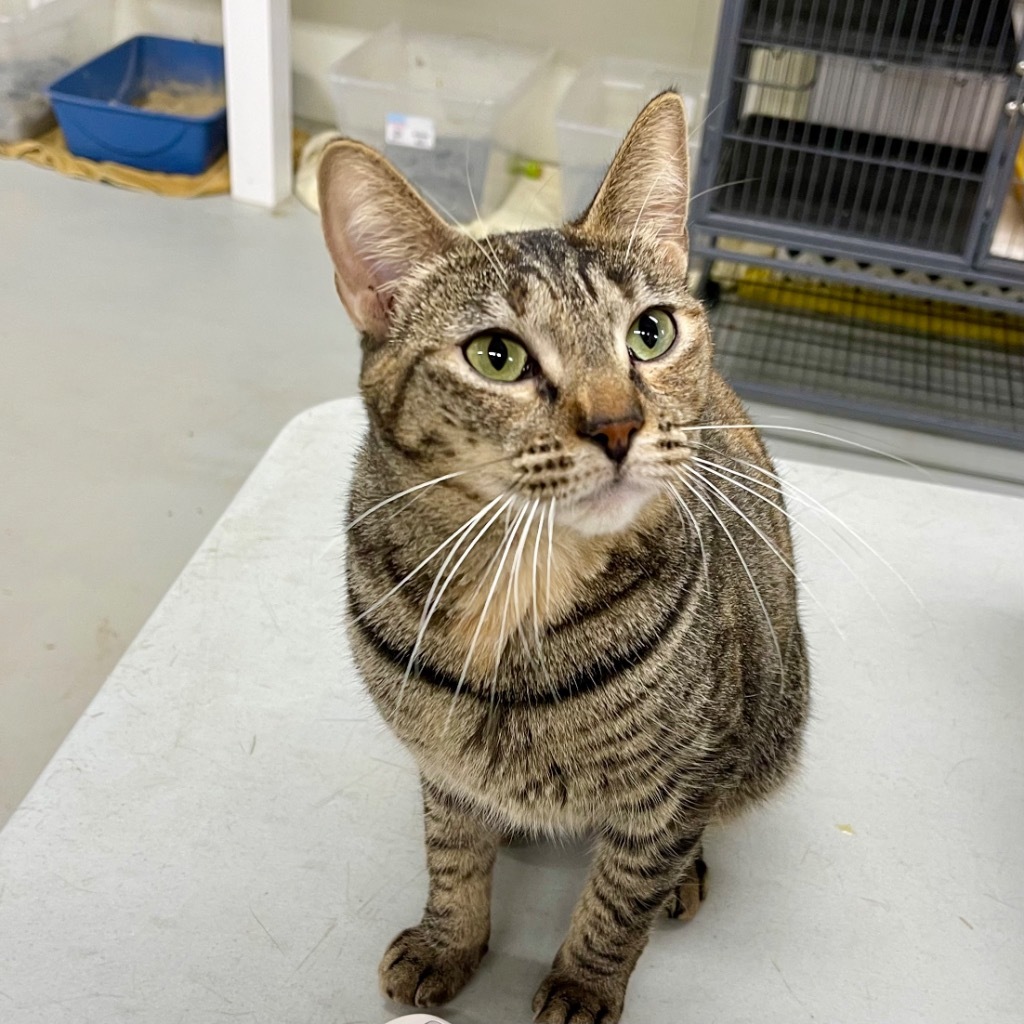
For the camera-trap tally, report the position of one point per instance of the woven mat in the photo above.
(50, 150)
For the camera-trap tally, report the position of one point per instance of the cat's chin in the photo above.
(612, 509)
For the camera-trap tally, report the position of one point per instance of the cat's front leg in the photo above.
(630, 880)
(426, 965)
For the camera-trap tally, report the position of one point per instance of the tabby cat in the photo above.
(570, 586)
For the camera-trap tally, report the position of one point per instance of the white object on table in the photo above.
(229, 830)
(257, 67)
(418, 1018)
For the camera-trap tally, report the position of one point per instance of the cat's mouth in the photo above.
(610, 508)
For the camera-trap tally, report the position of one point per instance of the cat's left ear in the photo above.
(646, 191)
(377, 229)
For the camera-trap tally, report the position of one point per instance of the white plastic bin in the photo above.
(39, 41)
(597, 110)
(446, 110)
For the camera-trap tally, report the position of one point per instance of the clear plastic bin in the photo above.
(446, 111)
(598, 109)
(39, 41)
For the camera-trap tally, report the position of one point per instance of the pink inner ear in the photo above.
(377, 230)
(355, 287)
(646, 189)
(374, 309)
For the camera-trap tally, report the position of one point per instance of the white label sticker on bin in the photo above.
(407, 130)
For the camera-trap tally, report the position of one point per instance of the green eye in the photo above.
(498, 357)
(651, 334)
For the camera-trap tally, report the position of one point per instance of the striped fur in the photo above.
(565, 644)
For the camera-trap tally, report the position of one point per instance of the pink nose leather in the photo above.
(613, 435)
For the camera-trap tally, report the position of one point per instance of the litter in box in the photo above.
(181, 99)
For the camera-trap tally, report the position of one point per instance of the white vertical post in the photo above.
(257, 58)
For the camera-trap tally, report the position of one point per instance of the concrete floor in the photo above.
(152, 349)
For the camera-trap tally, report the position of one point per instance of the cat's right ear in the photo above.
(646, 190)
(377, 229)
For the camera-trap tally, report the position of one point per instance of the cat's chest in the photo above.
(536, 772)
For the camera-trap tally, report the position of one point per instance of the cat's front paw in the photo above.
(421, 969)
(562, 999)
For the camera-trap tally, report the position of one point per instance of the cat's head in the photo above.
(560, 363)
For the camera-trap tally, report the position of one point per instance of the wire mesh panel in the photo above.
(873, 119)
(833, 179)
(963, 34)
(913, 362)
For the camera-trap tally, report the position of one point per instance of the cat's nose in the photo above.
(614, 434)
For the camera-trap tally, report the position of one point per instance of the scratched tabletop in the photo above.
(230, 833)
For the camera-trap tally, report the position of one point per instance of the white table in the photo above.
(229, 833)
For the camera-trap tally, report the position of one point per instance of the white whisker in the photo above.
(774, 550)
(501, 638)
(729, 475)
(683, 507)
(746, 568)
(709, 113)
(415, 572)
(483, 238)
(513, 590)
(538, 646)
(402, 494)
(534, 199)
(463, 230)
(813, 433)
(683, 190)
(727, 184)
(420, 487)
(809, 501)
(533, 580)
(643, 206)
(432, 602)
(550, 561)
(506, 549)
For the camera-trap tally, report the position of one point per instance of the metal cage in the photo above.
(859, 209)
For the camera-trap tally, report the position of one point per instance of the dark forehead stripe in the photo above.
(569, 266)
(517, 295)
(561, 263)
(534, 255)
(545, 245)
(585, 260)
(622, 279)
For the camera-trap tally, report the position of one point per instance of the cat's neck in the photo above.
(547, 571)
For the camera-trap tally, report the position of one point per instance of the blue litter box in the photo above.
(150, 102)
